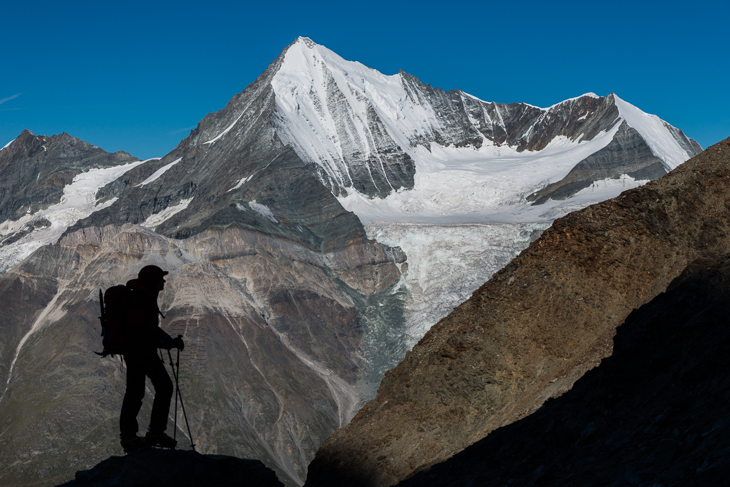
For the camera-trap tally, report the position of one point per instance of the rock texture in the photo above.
(535, 328)
(654, 413)
(470, 121)
(273, 355)
(154, 468)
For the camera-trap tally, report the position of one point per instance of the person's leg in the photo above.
(163, 394)
(132, 398)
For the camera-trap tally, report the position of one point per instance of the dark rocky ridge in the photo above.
(468, 121)
(536, 327)
(175, 468)
(654, 413)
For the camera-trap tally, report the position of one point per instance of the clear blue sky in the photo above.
(137, 76)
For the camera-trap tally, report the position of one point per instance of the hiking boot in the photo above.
(159, 439)
(133, 444)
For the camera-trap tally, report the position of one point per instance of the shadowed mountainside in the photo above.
(654, 413)
(535, 328)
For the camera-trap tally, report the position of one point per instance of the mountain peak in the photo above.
(306, 41)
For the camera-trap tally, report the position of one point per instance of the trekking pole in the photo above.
(182, 404)
(177, 391)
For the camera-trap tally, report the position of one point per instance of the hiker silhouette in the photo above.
(143, 338)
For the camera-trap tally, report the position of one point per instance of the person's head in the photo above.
(152, 277)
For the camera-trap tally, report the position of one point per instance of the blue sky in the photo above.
(137, 76)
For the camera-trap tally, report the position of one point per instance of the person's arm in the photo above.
(164, 340)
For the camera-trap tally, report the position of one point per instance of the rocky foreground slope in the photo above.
(654, 413)
(536, 327)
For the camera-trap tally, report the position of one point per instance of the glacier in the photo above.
(447, 263)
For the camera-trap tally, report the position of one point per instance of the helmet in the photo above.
(151, 274)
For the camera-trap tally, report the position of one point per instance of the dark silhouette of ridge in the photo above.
(179, 468)
(654, 413)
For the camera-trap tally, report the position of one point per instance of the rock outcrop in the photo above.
(654, 413)
(536, 327)
(175, 468)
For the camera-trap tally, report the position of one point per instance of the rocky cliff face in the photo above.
(536, 327)
(46, 184)
(654, 413)
(626, 154)
(272, 362)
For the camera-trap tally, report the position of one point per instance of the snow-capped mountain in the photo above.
(392, 148)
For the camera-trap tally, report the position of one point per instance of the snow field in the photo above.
(153, 221)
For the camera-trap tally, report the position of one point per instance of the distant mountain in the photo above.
(266, 216)
(34, 170)
(47, 184)
(390, 148)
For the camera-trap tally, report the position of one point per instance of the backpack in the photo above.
(114, 305)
